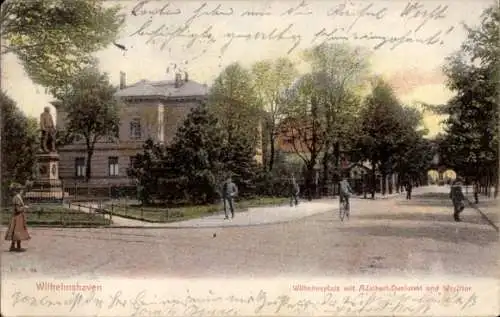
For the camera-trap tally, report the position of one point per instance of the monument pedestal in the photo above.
(47, 186)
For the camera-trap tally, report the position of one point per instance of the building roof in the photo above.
(163, 89)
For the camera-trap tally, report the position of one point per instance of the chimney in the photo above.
(178, 80)
(123, 81)
(186, 77)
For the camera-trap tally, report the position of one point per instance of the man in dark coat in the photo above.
(457, 197)
(229, 191)
(294, 191)
(408, 188)
(476, 192)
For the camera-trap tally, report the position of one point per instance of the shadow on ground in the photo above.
(451, 233)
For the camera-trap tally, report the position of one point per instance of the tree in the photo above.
(232, 100)
(146, 168)
(91, 110)
(238, 159)
(271, 79)
(305, 127)
(471, 127)
(414, 154)
(19, 144)
(381, 130)
(196, 155)
(341, 71)
(55, 39)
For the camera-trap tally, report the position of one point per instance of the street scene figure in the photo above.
(294, 191)
(345, 192)
(457, 197)
(229, 191)
(476, 192)
(17, 230)
(48, 137)
(408, 188)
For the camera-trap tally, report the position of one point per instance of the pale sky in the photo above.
(414, 69)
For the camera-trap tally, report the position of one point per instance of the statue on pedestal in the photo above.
(48, 140)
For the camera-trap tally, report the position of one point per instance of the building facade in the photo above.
(150, 109)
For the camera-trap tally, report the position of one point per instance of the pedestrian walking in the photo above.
(229, 191)
(408, 188)
(476, 191)
(294, 192)
(17, 230)
(457, 197)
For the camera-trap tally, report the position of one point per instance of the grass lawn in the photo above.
(57, 215)
(157, 214)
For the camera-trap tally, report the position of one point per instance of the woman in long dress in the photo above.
(17, 230)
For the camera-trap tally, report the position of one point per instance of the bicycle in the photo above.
(343, 208)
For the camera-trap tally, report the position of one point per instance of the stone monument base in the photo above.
(47, 186)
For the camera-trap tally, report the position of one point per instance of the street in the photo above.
(384, 237)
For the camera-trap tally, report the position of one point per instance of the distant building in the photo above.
(151, 109)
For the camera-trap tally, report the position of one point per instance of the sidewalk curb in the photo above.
(192, 226)
(223, 226)
(483, 215)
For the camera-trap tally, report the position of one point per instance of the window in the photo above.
(113, 166)
(80, 167)
(132, 161)
(135, 129)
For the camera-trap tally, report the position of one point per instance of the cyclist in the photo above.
(345, 192)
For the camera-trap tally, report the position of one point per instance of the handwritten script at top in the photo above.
(212, 25)
(147, 303)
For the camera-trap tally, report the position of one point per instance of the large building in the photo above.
(151, 109)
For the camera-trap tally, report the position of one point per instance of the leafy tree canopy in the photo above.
(55, 39)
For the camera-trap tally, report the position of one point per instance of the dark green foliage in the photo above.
(238, 159)
(19, 144)
(389, 136)
(470, 145)
(146, 169)
(195, 155)
(55, 39)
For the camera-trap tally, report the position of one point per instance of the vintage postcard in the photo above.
(249, 158)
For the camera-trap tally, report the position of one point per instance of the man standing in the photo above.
(229, 191)
(476, 192)
(48, 131)
(457, 197)
(294, 192)
(408, 188)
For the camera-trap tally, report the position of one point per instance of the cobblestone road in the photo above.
(392, 236)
